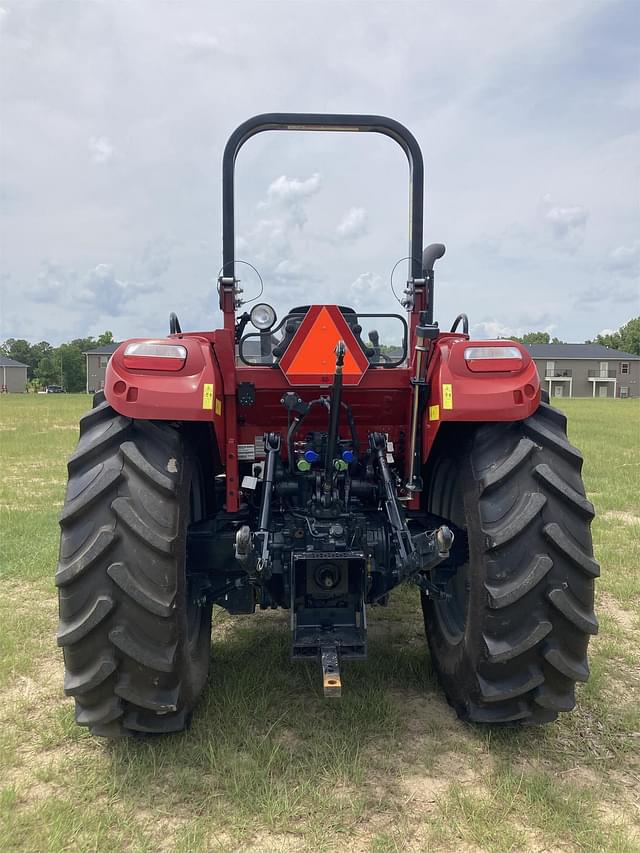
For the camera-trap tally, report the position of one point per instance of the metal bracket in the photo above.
(246, 393)
(429, 588)
(331, 680)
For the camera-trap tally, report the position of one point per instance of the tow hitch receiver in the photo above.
(330, 672)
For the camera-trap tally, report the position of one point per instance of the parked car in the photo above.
(54, 389)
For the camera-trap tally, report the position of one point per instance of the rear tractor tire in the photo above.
(136, 642)
(511, 642)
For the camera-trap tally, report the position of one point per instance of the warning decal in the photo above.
(310, 358)
(207, 396)
(434, 413)
(447, 396)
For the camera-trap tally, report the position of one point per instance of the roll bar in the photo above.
(319, 121)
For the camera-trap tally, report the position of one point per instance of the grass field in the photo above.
(268, 765)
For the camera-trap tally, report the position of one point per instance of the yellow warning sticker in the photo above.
(434, 413)
(447, 396)
(207, 396)
(218, 406)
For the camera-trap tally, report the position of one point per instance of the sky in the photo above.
(114, 116)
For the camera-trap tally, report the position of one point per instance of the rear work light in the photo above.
(149, 356)
(493, 359)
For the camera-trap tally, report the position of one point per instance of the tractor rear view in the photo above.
(299, 463)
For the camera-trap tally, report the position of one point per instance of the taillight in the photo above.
(149, 356)
(493, 359)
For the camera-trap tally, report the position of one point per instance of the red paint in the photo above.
(164, 394)
(381, 401)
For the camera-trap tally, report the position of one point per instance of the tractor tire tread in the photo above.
(128, 662)
(503, 594)
(153, 601)
(531, 607)
(508, 466)
(96, 548)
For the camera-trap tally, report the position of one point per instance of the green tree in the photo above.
(20, 350)
(535, 338)
(72, 361)
(47, 373)
(41, 350)
(627, 338)
(64, 365)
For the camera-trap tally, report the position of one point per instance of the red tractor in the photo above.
(298, 465)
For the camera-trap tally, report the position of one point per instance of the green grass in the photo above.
(268, 765)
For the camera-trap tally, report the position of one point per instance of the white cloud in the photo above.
(367, 284)
(599, 296)
(101, 289)
(566, 223)
(53, 283)
(288, 270)
(493, 329)
(101, 149)
(292, 190)
(270, 242)
(513, 97)
(521, 323)
(625, 259)
(200, 43)
(96, 290)
(156, 257)
(353, 225)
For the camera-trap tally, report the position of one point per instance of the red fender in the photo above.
(193, 393)
(463, 391)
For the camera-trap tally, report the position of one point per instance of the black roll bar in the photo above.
(318, 121)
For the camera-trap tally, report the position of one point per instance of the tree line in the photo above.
(64, 365)
(626, 338)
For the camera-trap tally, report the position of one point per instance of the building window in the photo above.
(551, 368)
(104, 360)
(624, 367)
(624, 390)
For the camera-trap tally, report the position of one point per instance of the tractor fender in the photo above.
(473, 391)
(192, 393)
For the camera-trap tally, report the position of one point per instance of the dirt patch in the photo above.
(25, 507)
(271, 842)
(612, 814)
(423, 791)
(625, 618)
(620, 515)
(36, 696)
(430, 707)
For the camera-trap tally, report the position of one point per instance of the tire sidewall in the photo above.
(192, 653)
(457, 661)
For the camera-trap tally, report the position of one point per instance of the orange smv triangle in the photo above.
(310, 358)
